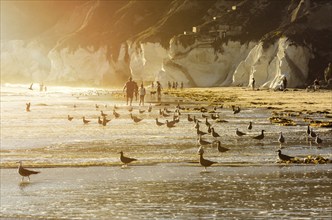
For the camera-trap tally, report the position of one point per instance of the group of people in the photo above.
(174, 85)
(132, 89)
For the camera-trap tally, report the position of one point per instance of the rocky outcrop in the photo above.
(101, 43)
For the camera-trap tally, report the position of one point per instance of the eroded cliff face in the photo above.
(202, 61)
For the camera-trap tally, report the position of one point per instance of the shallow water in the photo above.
(170, 191)
(166, 181)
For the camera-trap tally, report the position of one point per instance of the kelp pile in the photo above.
(310, 159)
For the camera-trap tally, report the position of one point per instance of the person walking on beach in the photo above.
(253, 83)
(130, 87)
(316, 84)
(142, 93)
(284, 83)
(135, 90)
(159, 88)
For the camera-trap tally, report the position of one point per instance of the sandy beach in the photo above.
(291, 99)
(82, 176)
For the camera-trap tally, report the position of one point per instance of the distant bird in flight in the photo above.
(25, 172)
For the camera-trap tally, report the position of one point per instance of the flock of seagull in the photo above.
(173, 117)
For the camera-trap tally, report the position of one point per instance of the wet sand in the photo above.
(170, 191)
(83, 179)
(291, 99)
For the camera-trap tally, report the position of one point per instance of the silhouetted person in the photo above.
(135, 90)
(159, 88)
(284, 83)
(130, 87)
(253, 83)
(316, 84)
(142, 93)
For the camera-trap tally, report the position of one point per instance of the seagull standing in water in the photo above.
(220, 148)
(318, 140)
(159, 123)
(25, 172)
(70, 118)
(239, 133)
(250, 126)
(284, 157)
(259, 137)
(281, 139)
(126, 160)
(204, 162)
(214, 134)
(202, 142)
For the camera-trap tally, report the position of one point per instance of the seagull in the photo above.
(220, 148)
(159, 123)
(105, 121)
(126, 160)
(281, 139)
(214, 117)
(308, 130)
(236, 110)
(204, 162)
(190, 118)
(102, 113)
(214, 134)
(196, 125)
(209, 129)
(250, 126)
(150, 108)
(283, 156)
(239, 133)
(196, 120)
(164, 114)
(25, 172)
(170, 124)
(202, 142)
(116, 115)
(312, 133)
(200, 150)
(31, 86)
(135, 119)
(70, 118)
(207, 123)
(99, 120)
(166, 110)
(85, 121)
(318, 140)
(28, 106)
(204, 116)
(259, 137)
(199, 132)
